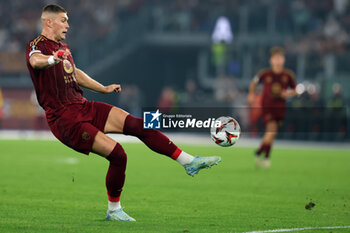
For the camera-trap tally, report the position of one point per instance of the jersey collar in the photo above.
(59, 43)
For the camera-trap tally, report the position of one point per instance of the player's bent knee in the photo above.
(272, 134)
(118, 156)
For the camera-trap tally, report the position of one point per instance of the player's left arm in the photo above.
(252, 88)
(1, 99)
(86, 81)
(291, 92)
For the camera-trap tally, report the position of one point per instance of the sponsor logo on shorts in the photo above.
(85, 136)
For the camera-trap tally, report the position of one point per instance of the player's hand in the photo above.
(284, 94)
(60, 55)
(113, 88)
(251, 98)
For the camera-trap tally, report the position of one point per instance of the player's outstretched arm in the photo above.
(289, 93)
(252, 88)
(41, 61)
(86, 81)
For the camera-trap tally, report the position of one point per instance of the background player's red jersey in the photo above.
(55, 86)
(274, 84)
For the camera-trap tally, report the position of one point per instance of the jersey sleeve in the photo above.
(259, 77)
(34, 47)
(37, 48)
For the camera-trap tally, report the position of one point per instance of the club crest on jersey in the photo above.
(67, 66)
(85, 136)
(284, 79)
(268, 79)
(276, 88)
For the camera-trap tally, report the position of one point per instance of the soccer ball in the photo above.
(226, 132)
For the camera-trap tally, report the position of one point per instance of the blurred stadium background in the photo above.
(166, 54)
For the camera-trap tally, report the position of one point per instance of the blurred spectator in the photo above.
(219, 54)
(336, 101)
(225, 90)
(301, 16)
(337, 113)
(340, 6)
(314, 92)
(192, 95)
(130, 100)
(331, 27)
(167, 100)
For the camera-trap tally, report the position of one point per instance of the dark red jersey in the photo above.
(56, 86)
(274, 84)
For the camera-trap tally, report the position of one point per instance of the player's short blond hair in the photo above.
(276, 50)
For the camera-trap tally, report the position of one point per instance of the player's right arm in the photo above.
(41, 61)
(252, 89)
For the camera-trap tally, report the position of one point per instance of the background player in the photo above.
(279, 84)
(82, 124)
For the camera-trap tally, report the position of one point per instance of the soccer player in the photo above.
(81, 124)
(279, 85)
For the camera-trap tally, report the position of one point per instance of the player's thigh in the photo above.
(271, 127)
(115, 120)
(103, 145)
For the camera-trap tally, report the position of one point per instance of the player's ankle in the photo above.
(112, 206)
(184, 158)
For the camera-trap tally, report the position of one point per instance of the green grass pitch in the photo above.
(47, 187)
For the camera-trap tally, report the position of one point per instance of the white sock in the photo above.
(113, 205)
(184, 158)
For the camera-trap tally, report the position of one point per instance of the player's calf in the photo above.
(160, 143)
(115, 177)
(155, 140)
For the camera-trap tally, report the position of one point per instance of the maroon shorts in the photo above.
(273, 114)
(78, 124)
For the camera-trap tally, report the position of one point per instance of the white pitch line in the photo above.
(299, 229)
